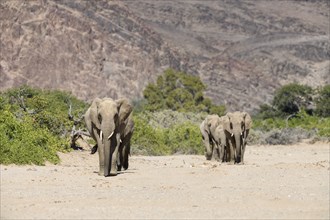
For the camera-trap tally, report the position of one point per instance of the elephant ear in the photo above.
(247, 120)
(94, 112)
(226, 122)
(124, 109)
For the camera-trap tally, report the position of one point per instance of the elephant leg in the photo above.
(114, 157)
(242, 153)
(208, 153)
(120, 157)
(231, 153)
(215, 153)
(101, 158)
(221, 152)
(126, 151)
(123, 155)
(100, 149)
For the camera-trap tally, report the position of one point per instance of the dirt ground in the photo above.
(277, 182)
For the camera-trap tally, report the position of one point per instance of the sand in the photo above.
(276, 182)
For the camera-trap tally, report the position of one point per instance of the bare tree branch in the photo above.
(75, 134)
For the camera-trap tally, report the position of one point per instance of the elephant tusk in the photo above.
(110, 135)
(101, 134)
(232, 134)
(121, 141)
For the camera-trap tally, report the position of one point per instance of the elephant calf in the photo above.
(213, 139)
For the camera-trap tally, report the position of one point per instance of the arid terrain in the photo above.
(242, 50)
(277, 182)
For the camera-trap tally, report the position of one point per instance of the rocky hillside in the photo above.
(242, 50)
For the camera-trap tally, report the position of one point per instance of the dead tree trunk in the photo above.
(76, 134)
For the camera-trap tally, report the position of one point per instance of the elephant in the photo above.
(207, 128)
(105, 120)
(124, 146)
(221, 141)
(237, 126)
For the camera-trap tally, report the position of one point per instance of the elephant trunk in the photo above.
(107, 153)
(109, 145)
(208, 146)
(238, 144)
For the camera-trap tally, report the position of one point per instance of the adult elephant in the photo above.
(104, 120)
(125, 144)
(207, 128)
(237, 125)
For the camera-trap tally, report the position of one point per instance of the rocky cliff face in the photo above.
(242, 50)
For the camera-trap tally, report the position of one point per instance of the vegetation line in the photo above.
(35, 124)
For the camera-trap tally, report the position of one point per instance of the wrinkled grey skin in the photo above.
(104, 120)
(207, 128)
(237, 126)
(221, 141)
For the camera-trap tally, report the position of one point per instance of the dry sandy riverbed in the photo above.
(277, 182)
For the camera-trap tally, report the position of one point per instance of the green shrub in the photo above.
(165, 133)
(35, 124)
(291, 130)
(148, 140)
(184, 138)
(24, 143)
(323, 102)
(291, 98)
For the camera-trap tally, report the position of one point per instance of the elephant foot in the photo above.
(113, 174)
(208, 157)
(231, 162)
(101, 172)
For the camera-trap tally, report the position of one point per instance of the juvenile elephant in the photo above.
(237, 125)
(207, 128)
(221, 141)
(104, 121)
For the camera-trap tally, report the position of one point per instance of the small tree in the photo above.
(290, 98)
(323, 102)
(179, 91)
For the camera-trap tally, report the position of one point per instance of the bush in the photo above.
(34, 124)
(148, 140)
(323, 102)
(165, 133)
(168, 118)
(287, 136)
(24, 143)
(291, 98)
(184, 138)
